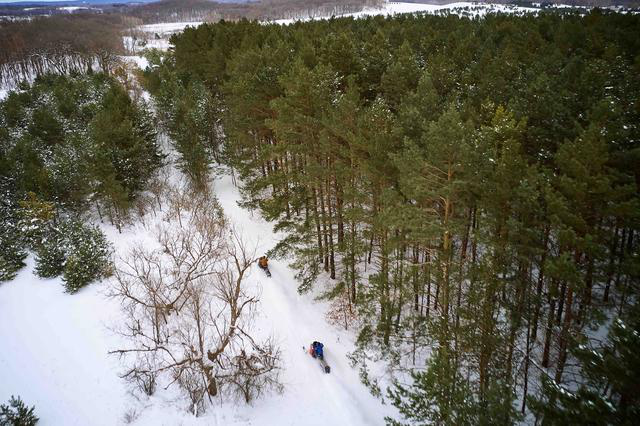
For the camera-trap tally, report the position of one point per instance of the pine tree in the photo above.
(88, 256)
(51, 254)
(608, 394)
(12, 241)
(17, 414)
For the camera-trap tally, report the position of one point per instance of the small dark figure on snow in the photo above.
(263, 264)
(316, 350)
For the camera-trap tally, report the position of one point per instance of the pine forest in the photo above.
(462, 193)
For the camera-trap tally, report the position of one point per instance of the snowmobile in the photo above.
(316, 350)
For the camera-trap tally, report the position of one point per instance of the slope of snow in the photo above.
(73, 8)
(54, 351)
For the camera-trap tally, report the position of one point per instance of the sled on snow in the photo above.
(320, 357)
(266, 270)
(262, 264)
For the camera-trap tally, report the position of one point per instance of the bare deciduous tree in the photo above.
(188, 311)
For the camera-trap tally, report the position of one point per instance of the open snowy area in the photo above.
(169, 27)
(55, 349)
(467, 8)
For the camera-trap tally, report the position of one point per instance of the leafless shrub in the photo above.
(250, 379)
(190, 380)
(143, 204)
(130, 416)
(143, 375)
(158, 185)
(188, 313)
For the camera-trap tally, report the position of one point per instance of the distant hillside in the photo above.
(70, 3)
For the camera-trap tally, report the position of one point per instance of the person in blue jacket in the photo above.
(317, 350)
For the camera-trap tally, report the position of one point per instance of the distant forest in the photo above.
(468, 188)
(65, 43)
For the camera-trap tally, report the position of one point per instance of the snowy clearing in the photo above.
(394, 8)
(54, 351)
(168, 27)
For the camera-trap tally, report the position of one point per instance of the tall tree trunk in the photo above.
(550, 321)
(353, 261)
(339, 208)
(316, 218)
(538, 301)
(324, 229)
(332, 261)
(611, 267)
(564, 335)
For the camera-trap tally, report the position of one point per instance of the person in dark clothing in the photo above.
(317, 350)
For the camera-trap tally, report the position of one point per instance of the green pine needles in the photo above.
(472, 183)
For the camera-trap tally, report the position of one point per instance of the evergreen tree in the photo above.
(17, 414)
(12, 242)
(88, 256)
(608, 391)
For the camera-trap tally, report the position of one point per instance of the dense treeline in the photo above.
(59, 44)
(68, 145)
(471, 187)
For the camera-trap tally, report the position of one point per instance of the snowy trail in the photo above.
(311, 397)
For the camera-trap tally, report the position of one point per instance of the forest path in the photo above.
(311, 397)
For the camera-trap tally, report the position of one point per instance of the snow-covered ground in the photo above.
(155, 36)
(54, 349)
(168, 27)
(393, 8)
(138, 61)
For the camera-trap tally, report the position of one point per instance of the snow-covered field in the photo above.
(168, 27)
(393, 8)
(54, 350)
